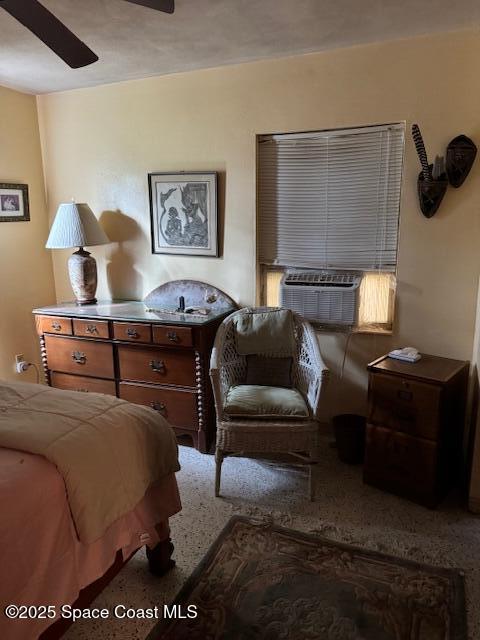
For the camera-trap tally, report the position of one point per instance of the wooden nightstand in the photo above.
(415, 426)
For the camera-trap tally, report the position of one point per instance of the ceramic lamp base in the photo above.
(82, 269)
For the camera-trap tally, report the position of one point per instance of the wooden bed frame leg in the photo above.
(160, 558)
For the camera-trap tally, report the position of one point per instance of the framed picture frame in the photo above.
(14, 204)
(183, 213)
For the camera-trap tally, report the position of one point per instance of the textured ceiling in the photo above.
(136, 42)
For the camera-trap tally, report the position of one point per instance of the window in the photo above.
(330, 200)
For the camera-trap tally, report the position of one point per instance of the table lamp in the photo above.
(75, 225)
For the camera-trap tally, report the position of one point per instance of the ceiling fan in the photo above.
(33, 15)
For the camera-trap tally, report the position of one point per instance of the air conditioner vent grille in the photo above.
(314, 279)
(326, 298)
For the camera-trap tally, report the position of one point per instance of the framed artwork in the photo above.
(183, 210)
(14, 205)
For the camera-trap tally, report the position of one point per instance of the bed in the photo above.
(67, 524)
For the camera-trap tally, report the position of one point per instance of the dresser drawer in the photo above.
(405, 405)
(178, 407)
(176, 336)
(402, 462)
(132, 332)
(81, 383)
(83, 357)
(91, 328)
(163, 366)
(54, 324)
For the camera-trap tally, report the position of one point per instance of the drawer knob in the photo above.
(79, 357)
(91, 328)
(56, 326)
(172, 336)
(82, 390)
(158, 406)
(158, 366)
(132, 333)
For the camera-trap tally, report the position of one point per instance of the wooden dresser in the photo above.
(157, 359)
(415, 426)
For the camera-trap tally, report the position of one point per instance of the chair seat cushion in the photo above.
(256, 401)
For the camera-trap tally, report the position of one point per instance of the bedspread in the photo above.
(108, 451)
(42, 562)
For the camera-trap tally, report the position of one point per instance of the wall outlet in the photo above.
(21, 365)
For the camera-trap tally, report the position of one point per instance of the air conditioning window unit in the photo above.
(324, 297)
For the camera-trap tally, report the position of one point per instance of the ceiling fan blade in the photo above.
(167, 6)
(51, 31)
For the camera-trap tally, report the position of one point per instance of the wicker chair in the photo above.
(262, 437)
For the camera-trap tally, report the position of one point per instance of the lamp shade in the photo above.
(75, 225)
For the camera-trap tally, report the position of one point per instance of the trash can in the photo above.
(349, 431)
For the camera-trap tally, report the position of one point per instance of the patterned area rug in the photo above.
(266, 582)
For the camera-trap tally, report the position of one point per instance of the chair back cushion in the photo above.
(265, 370)
(255, 401)
(265, 332)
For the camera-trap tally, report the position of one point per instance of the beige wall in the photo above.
(100, 143)
(26, 279)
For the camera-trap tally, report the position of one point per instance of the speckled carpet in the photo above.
(345, 510)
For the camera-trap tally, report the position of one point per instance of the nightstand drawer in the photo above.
(132, 332)
(178, 407)
(83, 357)
(161, 366)
(175, 336)
(402, 461)
(405, 405)
(54, 324)
(81, 383)
(91, 328)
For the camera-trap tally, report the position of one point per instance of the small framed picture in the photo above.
(14, 205)
(183, 210)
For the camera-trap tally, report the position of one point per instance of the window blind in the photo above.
(330, 199)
